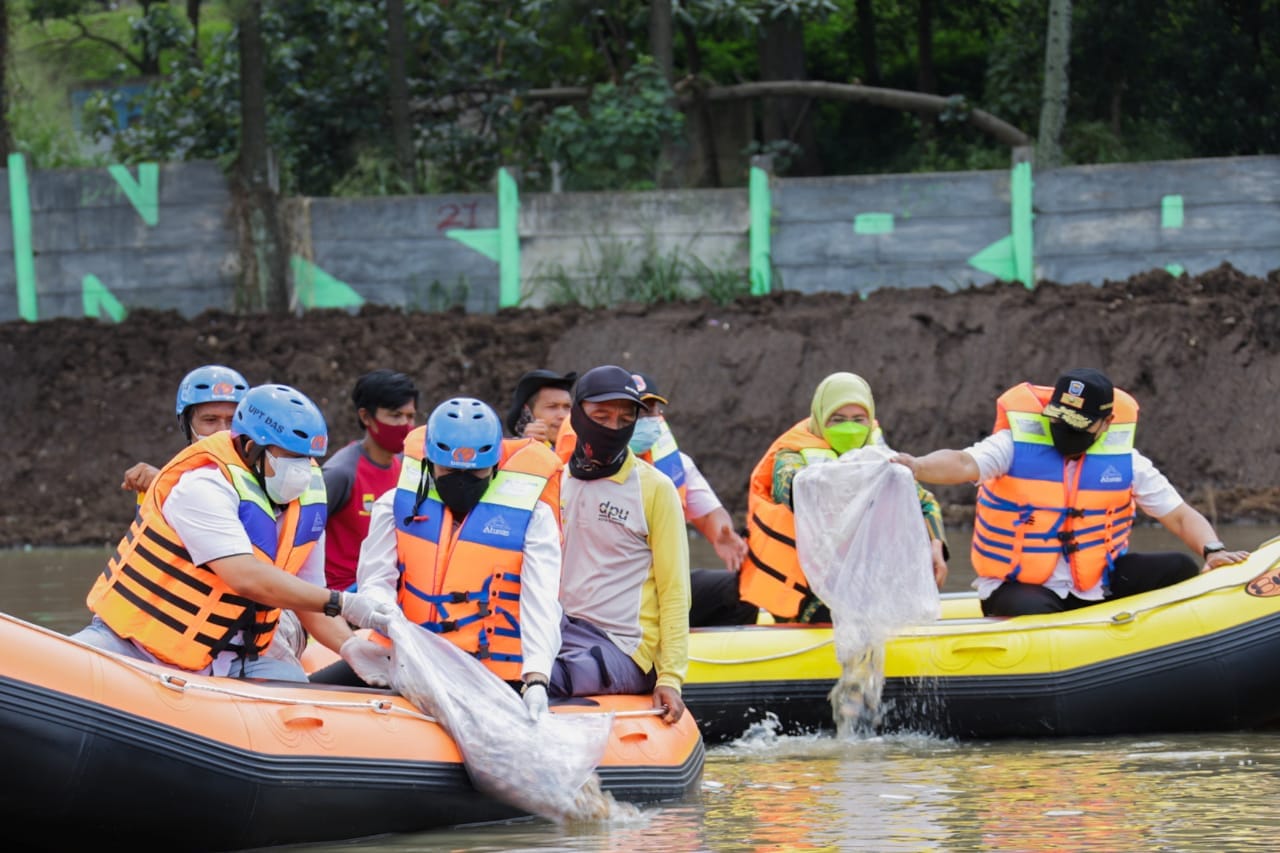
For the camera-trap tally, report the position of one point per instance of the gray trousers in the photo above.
(589, 664)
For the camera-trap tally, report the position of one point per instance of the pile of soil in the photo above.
(85, 399)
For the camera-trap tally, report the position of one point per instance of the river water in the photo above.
(900, 793)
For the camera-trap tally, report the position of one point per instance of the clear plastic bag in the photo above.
(545, 768)
(863, 546)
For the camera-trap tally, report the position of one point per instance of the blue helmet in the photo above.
(280, 416)
(464, 433)
(210, 384)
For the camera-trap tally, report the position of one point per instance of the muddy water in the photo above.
(901, 793)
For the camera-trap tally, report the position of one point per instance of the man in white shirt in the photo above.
(1059, 479)
(468, 544)
(231, 531)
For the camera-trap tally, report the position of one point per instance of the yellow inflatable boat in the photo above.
(1196, 656)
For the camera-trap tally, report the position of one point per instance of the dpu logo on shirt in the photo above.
(614, 514)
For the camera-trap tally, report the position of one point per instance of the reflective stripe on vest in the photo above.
(771, 576)
(468, 589)
(185, 614)
(665, 456)
(1028, 518)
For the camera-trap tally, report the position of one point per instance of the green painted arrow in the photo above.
(760, 199)
(317, 289)
(98, 299)
(483, 240)
(24, 260)
(144, 193)
(997, 259)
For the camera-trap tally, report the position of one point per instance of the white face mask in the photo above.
(291, 478)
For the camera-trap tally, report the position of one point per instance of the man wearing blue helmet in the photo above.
(468, 544)
(230, 532)
(207, 398)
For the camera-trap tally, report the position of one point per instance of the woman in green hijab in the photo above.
(842, 417)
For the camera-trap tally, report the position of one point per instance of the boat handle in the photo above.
(979, 647)
(1122, 617)
(631, 732)
(301, 717)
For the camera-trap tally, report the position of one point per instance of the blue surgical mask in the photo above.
(648, 430)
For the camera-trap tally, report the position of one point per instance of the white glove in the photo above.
(364, 611)
(535, 701)
(368, 660)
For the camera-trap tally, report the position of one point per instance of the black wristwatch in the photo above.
(333, 607)
(1213, 548)
(532, 681)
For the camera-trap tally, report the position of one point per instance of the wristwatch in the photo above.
(1212, 548)
(333, 607)
(532, 681)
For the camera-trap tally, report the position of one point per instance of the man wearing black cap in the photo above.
(624, 586)
(1059, 479)
(540, 404)
(654, 443)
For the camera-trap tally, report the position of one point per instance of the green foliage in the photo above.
(437, 296)
(615, 142)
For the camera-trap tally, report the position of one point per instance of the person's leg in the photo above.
(713, 600)
(590, 664)
(274, 669)
(1135, 573)
(339, 672)
(98, 635)
(1020, 599)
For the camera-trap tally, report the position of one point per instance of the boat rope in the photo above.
(379, 706)
(765, 658)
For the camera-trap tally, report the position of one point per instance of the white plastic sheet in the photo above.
(547, 768)
(865, 551)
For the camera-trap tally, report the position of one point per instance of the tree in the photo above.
(1053, 112)
(157, 30)
(264, 285)
(5, 139)
(398, 93)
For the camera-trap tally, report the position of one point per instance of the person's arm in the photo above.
(339, 478)
(932, 512)
(1195, 531)
(786, 463)
(670, 547)
(376, 572)
(540, 593)
(717, 528)
(941, 467)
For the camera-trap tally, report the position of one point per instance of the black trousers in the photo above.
(1133, 573)
(714, 600)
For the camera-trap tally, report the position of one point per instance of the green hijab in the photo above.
(835, 392)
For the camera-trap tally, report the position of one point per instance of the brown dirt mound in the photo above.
(1202, 355)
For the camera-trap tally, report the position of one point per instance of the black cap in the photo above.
(1081, 398)
(530, 384)
(608, 382)
(648, 388)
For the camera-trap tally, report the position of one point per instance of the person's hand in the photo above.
(668, 699)
(535, 700)
(139, 477)
(730, 547)
(367, 659)
(538, 430)
(906, 460)
(1224, 558)
(364, 611)
(939, 562)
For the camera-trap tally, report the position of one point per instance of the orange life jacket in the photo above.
(771, 576)
(1029, 517)
(664, 455)
(464, 582)
(185, 614)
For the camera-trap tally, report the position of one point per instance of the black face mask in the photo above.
(1070, 442)
(600, 451)
(460, 492)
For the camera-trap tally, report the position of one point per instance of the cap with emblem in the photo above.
(1081, 398)
(607, 382)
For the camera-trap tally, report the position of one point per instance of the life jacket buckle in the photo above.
(448, 625)
(458, 597)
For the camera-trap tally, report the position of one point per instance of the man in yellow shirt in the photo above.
(624, 586)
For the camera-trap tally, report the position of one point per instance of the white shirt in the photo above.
(203, 508)
(377, 575)
(1152, 492)
(699, 499)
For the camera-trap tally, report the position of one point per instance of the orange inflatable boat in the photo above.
(103, 750)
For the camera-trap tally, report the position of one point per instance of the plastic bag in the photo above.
(545, 768)
(864, 549)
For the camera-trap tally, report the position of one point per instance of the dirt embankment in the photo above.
(1202, 355)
